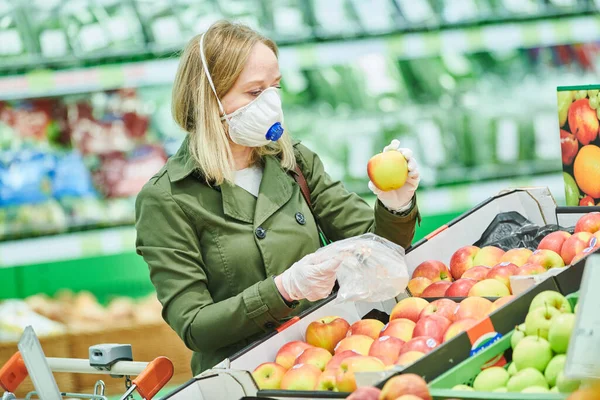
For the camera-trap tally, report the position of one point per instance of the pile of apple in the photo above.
(334, 350)
(539, 351)
(486, 271)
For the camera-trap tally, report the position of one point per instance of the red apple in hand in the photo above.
(387, 349)
(400, 328)
(268, 375)
(531, 269)
(547, 259)
(287, 354)
(424, 344)
(459, 327)
(516, 256)
(443, 307)
(477, 273)
(436, 289)
(473, 308)
(417, 285)
(367, 327)
(388, 170)
(463, 260)
(433, 326)
(583, 122)
(502, 272)
(432, 270)
(460, 287)
(575, 245)
(588, 223)
(326, 332)
(568, 146)
(554, 241)
(405, 384)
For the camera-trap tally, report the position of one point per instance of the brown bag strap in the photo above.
(301, 180)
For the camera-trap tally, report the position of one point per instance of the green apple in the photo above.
(532, 352)
(552, 299)
(512, 369)
(538, 321)
(500, 390)
(518, 334)
(490, 379)
(526, 378)
(555, 389)
(560, 331)
(535, 389)
(565, 385)
(464, 388)
(555, 366)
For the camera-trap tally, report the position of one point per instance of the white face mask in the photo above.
(256, 124)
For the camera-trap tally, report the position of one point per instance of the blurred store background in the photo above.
(469, 85)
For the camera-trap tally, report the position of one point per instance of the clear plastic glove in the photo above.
(400, 199)
(311, 278)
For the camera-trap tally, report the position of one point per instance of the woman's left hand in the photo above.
(400, 199)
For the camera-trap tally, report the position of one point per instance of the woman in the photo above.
(224, 227)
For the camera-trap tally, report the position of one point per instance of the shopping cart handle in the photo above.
(156, 375)
(13, 373)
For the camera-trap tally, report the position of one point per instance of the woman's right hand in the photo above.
(309, 278)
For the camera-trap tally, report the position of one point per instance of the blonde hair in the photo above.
(195, 108)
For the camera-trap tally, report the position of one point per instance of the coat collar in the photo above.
(182, 164)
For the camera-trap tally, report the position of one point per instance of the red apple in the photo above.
(436, 289)
(568, 147)
(588, 223)
(516, 256)
(531, 269)
(409, 308)
(489, 288)
(433, 326)
(424, 344)
(359, 343)
(315, 356)
(501, 302)
(554, 241)
(345, 378)
(502, 272)
(488, 256)
(268, 375)
(460, 287)
(409, 357)
(405, 384)
(443, 307)
(477, 273)
(387, 349)
(575, 245)
(416, 286)
(287, 354)
(587, 201)
(459, 327)
(583, 122)
(584, 253)
(475, 308)
(301, 377)
(432, 270)
(337, 359)
(365, 393)
(367, 327)
(326, 332)
(400, 328)
(388, 170)
(462, 260)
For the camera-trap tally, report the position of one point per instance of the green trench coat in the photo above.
(213, 251)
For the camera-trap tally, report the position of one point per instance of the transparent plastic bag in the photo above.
(372, 269)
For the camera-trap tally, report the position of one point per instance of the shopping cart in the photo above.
(111, 359)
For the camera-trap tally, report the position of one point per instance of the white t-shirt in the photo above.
(249, 179)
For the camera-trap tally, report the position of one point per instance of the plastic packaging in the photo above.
(372, 269)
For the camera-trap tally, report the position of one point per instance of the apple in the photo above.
(532, 352)
(400, 328)
(502, 272)
(301, 377)
(315, 356)
(477, 273)
(268, 375)
(459, 327)
(489, 288)
(588, 223)
(432, 270)
(337, 359)
(538, 321)
(359, 343)
(488, 256)
(327, 380)
(433, 326)
(409, 357)
(287, 354)
(531, 269)
(463, 388)
(583, 122)
(518, 335)
(387, 349)
(499, 303)
(501, 390)
(512, 369)
(554, 241)
(462, 260)
(491, 379)
(436, 289)
(556, 365)
(586, 252)
(516, 256)
(409, 397)
(423, 344)
(443, 307)
(475, 308)
(404, 384)
(566, 385)
(460, 287)
(569, 146)
(367, 327)
(575, 245)
(326, 332)
(416, 286)
(552, 299)
(388, 170)
(525, 378)
(365, 393)
(559, 334)
(345, 378)
(535, 389)
(547, 259)
(409, 308)
(587, 201)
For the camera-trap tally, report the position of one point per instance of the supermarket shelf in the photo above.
(491, 37)
(122, 240)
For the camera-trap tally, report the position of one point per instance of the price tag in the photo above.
(583, 355)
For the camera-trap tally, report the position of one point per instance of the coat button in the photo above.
(269, 325)
(260, 232)
(300, 218)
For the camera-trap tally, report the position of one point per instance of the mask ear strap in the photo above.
(205, 65)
